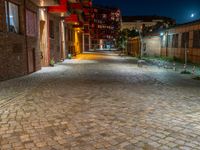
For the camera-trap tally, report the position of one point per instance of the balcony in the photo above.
(61, 10)
(45, 3)
(72, 19)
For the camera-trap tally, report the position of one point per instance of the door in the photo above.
(42, 42)
(31, 60)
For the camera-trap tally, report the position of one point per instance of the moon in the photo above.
(192, 15)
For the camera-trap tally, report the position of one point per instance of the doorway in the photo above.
(31, 60)
(42, 42)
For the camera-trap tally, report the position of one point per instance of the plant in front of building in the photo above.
(52, 62)
(197, 78)
(185, 72)
(122, 41)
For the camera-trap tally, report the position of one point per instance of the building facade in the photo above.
(18, 38)
(138, 22)
(134, 46)
(173, 42)
(177, 40)
(34, 32)
(105, 26)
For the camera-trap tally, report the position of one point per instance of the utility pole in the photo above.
(126, 51)
(141, 41)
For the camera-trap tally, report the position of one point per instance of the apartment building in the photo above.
(33, 32)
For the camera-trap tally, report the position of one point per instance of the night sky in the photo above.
(181, 10)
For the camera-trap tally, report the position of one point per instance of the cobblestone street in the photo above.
(100, 102)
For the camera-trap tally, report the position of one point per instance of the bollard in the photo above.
(174, 66)
(165, 66)
(159, 65)
(185, 67)
(193, 70)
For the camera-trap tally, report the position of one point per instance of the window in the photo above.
(12, 17)
(175, 41)
(1, 18)
(169, 40)
(69, 34)
(196, 39)
(66, 33)
(31, 23)
(51, 29)
(185, 40)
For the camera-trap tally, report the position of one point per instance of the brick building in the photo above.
(18, 38)
(137, 22)
(32, 32)
(105, 26)
(173, 42)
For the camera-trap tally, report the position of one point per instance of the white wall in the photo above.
(153, 45)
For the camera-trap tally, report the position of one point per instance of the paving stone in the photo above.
(100, 101)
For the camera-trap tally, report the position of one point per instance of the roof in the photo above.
(145, 18)
(158, 31)
(187, 23)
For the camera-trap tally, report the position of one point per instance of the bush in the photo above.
(52, 62)
(197, 78)
(186, 72)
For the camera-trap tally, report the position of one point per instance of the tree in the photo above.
(123, 37)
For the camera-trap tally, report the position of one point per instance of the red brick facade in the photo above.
(54, 45)
(172, 42)
(168, 49)
(34, 32)
(18, 52)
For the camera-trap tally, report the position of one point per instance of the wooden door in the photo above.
(31, 60)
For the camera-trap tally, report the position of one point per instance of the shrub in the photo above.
(52, 62)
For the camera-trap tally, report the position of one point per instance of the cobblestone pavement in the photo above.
(100, 102)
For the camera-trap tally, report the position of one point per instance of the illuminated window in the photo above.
(31, 23)
(12, 17)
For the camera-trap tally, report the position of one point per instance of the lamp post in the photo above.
(126, 50)
(141, 41)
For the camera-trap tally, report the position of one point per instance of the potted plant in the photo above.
(52, 62)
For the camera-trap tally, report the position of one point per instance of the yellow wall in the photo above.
(43, 34)
(78, 41)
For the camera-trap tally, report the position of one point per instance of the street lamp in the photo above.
(141, 42)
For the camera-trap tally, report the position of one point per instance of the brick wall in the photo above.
(193, 53)
(134, 47)
(55, 51)
(1, 16)
(33, 42)
(152, 46)
(162, 46)
(13, 47)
